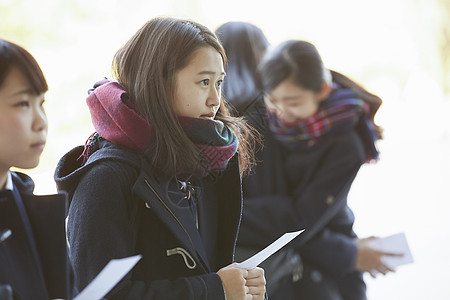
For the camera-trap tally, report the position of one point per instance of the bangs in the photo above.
(12, 55)
(31, 70)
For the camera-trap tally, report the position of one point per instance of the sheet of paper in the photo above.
(111, 274)
(395, 243)
(262, 255)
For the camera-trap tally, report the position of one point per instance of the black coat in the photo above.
(120, 207)
(292, 190)
(35, 265)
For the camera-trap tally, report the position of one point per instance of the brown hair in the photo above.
(146, 67)
(12, 55)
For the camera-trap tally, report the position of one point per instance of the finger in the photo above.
(256, 282)
(255, 273)
(387, 268)
(253, 290)
(247, 293)
(382, 270)
(243, 272)
(369, 238)
(373, 273)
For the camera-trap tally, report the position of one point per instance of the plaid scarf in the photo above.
(341, 111)
(116, 121)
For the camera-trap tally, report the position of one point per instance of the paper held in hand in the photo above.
(262, 255)
(395, 243)
(111, 274)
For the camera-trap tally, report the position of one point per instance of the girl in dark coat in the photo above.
(318, 130)
(33, 257)
(161, 175)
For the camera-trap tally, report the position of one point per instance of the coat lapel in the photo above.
(154, 192)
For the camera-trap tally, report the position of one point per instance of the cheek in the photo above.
(11, 125)
(292, 113)
(12, 138)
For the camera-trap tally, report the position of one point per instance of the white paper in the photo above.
(395, 243)
(111, 274)
(262, 255)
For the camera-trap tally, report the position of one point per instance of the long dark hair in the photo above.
(373, 100)
(146, 67)
(245, 45)
(13, 55)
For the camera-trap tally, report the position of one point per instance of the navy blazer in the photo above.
(33, 256)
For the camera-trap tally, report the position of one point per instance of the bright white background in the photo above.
(390, 46)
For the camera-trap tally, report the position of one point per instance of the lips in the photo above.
(38, 145)
(210, 115)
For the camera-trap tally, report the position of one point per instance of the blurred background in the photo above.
(398, 49)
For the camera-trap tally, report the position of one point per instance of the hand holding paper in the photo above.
(395, 243)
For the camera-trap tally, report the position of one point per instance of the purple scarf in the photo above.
(119, 123)
(342, 111)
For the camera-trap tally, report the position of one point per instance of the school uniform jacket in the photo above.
(33, 257)
(292, 190)
(120, 207)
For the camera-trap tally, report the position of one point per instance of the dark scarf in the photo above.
(341, 111)
(115, 120)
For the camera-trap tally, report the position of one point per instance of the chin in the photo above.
(29, 164)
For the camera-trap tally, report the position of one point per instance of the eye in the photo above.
(219, 83)
(293, 103)
(204, 82)
(22, 104)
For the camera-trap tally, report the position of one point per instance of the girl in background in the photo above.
(161, 175)
(319, 131)
(245, 45)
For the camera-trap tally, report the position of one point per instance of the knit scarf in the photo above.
(341, 111)
(115, 120)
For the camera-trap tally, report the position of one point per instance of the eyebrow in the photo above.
(210, 73)
(22, 91)
(286, 98)
(290, 97)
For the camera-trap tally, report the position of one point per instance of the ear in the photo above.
(325, 91)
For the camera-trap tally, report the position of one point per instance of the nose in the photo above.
(39, 119)
(214, 97)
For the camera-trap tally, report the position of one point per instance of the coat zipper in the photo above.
(168, 208)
